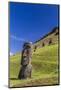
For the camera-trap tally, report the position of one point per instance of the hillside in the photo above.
(45, 68)
(44, 62)
(48, 39)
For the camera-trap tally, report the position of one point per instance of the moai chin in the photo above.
(26, 67)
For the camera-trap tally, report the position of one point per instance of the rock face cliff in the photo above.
(50, 38)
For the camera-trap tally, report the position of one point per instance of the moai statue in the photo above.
(26, 67)
(50, 41)
(43, 44)
(35, 47)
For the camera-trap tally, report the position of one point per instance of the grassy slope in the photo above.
(45, 68)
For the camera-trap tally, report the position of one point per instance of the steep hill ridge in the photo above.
(48, 39)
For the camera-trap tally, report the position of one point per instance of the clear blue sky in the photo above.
(30, 22)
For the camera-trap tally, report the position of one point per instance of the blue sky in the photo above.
(30, 22)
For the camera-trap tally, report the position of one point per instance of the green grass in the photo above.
(45, 68)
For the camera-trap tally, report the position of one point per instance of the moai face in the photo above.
(26, 54)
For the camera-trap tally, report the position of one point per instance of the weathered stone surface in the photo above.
(26, 68)
(25, 72)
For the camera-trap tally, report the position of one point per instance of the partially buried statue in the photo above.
(26, 67)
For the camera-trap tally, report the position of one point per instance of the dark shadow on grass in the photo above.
(14, 79)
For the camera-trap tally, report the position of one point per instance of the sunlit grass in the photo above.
(44, 64)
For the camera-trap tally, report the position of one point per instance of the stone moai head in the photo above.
(26, 53)
(27, 45)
